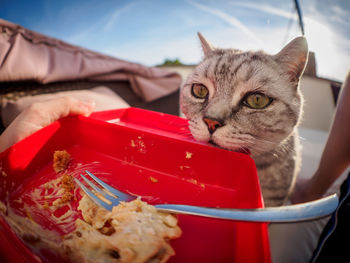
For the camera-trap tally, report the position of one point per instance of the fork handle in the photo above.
(283, 214)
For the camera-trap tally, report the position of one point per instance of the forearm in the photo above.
(336, 155)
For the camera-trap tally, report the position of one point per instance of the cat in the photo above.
(251, 102)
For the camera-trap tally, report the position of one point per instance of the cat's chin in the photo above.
(240, 149)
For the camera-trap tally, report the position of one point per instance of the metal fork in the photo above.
(108, 197)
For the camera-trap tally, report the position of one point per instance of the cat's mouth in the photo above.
(240, 149)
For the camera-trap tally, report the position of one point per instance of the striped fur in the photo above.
(270, 133)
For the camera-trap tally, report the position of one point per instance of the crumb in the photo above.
(183, 167)
(188, 155)
(67, 182)
(29, 216)
(3, 174)
(3, 207)
(67, 186)
(138, 144)
(46, 205)
(192, 181)
(67, 196)
(153, 179)
(60, 160)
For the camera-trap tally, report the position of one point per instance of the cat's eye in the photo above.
(257, 101)
(200, 91)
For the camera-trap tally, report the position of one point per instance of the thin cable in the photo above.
(301, 23)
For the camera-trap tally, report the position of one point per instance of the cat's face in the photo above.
(245, 100)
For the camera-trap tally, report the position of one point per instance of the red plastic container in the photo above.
(127, 148)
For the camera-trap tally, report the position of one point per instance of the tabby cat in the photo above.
(251, 102)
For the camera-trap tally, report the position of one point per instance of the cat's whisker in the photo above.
(257, 148)
(277, 151)
(252, 139)
(265, 141)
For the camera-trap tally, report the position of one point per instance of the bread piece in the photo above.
(60, 160)
(132, 232)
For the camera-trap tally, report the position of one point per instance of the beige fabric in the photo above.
(27, 55)
(104, 98)
(296, 242)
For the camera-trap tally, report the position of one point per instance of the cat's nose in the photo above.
(212, 124)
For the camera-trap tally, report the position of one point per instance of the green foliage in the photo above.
(172, 62)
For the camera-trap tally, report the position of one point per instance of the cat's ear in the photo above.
(207, 48)
(293, 57)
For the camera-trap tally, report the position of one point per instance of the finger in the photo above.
(65, 106)
(45, 113)
(42, 114)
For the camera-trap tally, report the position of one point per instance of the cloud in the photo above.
(231, 20)
(340, 11)
(332, 56)
(331, 48)
(106, 23)
(187, 47)
(80, 36)
(111, 18)
(267, 9)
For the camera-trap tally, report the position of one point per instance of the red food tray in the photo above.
(127, 148)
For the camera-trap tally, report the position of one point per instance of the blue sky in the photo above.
(149, 31)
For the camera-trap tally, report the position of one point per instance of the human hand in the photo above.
(308, 189)
(40, 115)
(299, 195)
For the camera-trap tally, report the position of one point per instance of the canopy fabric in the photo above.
(29, 56)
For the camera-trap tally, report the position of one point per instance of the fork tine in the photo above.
(93, 196)
(122, 196)
(113, 200)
